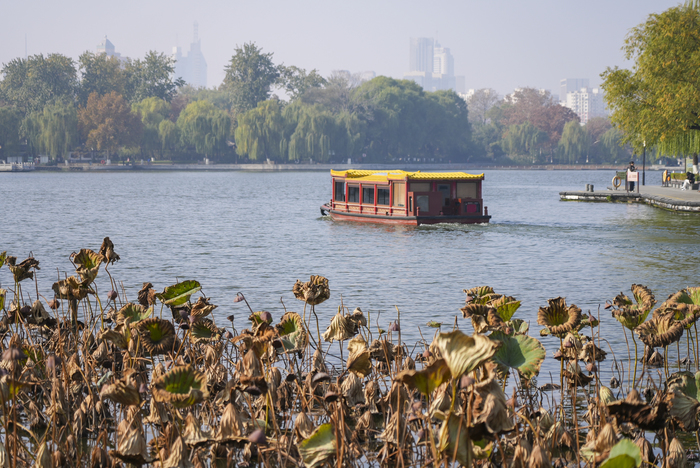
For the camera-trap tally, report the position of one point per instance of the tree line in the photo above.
(138, 109)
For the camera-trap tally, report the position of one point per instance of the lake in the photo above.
(259, 232)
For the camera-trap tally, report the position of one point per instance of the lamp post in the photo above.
(644, 163)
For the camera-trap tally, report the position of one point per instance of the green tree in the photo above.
(658, 100)
(296, 81)
(152, 112)
(32, 83)
(99, 74)
(169, 135)
(106, 123)
(151, 77)
(54, 130)
(204, 128)
(260, 132)
(249, 78)
(10, 121)
(523, 139)
(573, 144)
(479, 104)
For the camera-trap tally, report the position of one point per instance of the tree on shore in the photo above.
(249, 78)
(203, 128)
(151, 77)
(101, 74)
(657, 101)
(10, 121)
(54, 130)
(107, 123)
(30, 84)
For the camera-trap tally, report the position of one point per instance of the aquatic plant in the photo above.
(125, 382)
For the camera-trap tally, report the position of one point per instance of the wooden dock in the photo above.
(668, 198)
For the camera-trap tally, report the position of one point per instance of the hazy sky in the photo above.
(495, 43)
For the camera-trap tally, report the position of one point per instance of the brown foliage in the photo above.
(106, 122)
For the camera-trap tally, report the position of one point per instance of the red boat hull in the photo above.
(403, 220)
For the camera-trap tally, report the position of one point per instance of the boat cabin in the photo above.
(396, 196)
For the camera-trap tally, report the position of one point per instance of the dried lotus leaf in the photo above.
(359, 357)
(121, 392)
(147, 295)
(182, 386)
(340, 329)
(202, 308)
(131, 444)
(313, 292)
(464, 353)
(558, 318)
(157, 335)
(193, 434)
(660, 331)
(107, 251)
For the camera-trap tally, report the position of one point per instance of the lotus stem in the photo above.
(697, 357)
(629, 355)
(634, 380)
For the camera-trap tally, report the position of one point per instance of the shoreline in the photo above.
(328, 167)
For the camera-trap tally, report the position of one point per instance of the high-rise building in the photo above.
(586, 103)
(421, 54)
(191, 67)
(570, 85)
(106, 47)
(432, 66)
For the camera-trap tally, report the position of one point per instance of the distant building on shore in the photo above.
(586, 103)
(106, 47)
(191, 67)
(432, 66)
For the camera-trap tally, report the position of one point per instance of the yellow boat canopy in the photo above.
(396, 174)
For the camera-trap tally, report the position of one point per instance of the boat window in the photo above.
(383, 196)
(420, 187)
(368, 195)
(423, 203)
(339, 191)
(399, 194)
(444, 189)
(353, 194)
(466, 190)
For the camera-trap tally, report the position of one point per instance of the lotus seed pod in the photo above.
(112, 295)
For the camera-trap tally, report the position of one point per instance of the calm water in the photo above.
(259, 232)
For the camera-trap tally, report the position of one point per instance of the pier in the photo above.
(669, 198)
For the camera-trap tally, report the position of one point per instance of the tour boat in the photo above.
(409, 198)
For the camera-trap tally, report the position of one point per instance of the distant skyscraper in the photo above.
(570, 85)
(191, 67)
(106, 47)
(421, 54)
(431, 65)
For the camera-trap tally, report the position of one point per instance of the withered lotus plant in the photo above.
(204, 330)
(131, 444)
(202, 308)
(22, 271)
(492, 409)
(520, 352)
(359, 359)
(313, 292)
(340, 329)
(633, 410)
(147, 295)
(660, 331)
(107, 251)
(484, 317)
(318, 447)
(231, 426)
(558, 318)
(133, 313)
(193, 434)
(464, 353)
(427, 379)
(157, 335)
(479, 294)
(88, 264)
(182, 386)
(73, 290)
(179, 293)
(122, 392)
(291, 332)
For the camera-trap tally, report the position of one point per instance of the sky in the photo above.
(499, 44)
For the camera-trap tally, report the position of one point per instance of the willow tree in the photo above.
(260, 132)
(657, 102)
(202, 127)
(53, 131)
(574, 142)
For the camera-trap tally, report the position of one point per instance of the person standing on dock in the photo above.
(631, 169)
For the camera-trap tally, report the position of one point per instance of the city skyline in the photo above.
(500, 45)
